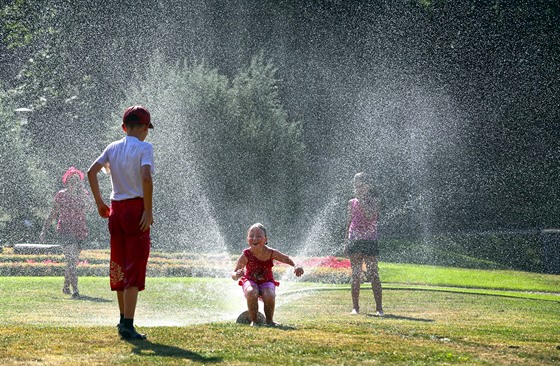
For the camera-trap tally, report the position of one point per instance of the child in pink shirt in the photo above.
(361, 241)
(69, 210)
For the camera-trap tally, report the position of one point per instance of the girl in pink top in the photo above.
(361, 241)
(254, 272)
(69, 209)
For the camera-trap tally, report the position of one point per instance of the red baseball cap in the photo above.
(141, 113)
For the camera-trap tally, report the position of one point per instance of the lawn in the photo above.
(434, 316)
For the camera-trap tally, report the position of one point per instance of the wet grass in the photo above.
(192, 321)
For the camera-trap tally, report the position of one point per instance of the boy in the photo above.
(131, 164)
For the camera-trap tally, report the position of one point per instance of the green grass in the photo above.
(449, 276)
(435, 316)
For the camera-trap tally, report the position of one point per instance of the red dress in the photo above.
(257, 270)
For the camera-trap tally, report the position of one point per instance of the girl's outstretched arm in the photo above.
(239, 270)
(281, 257)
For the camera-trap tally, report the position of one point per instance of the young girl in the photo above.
(69, 209)
(254, 267)
(361, 244)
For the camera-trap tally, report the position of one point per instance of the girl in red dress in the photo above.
(254, 272)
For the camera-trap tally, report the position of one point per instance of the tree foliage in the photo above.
(224, 146)
(22, 181)
(276, 136)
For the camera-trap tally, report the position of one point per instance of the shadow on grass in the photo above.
(92, 299)
(147, 348)
(283, 327)
(277, 326)
(399, 317)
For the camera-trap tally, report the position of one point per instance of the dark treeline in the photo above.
(452, 105)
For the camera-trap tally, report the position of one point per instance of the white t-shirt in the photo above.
(125, 158)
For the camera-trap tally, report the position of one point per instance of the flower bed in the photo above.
(96, 263)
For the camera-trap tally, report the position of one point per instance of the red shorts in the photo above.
(130, 246)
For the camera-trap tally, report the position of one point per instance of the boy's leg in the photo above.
(127, 305)
(116, 275)
(130, 297)
(129, 272)
(120, 299)
(137, 245)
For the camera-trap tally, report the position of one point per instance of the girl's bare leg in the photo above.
(356, 261)
(72, 254)
(252, 296)
(373, 274)
(269, 300)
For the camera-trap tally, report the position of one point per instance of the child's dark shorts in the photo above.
(130, 246)
(365, 247)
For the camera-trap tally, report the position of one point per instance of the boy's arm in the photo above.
(147, 188)
(102, 208)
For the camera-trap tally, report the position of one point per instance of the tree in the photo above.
(22, 181)
(271, 151)
(226, 152)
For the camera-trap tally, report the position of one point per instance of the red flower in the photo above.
(329, 261)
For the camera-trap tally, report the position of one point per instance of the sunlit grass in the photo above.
(449, 276)
(192, 321)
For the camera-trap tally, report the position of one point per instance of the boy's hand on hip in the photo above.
(146, 221)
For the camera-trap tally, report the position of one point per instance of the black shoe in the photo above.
(127, 333)
(76, 295)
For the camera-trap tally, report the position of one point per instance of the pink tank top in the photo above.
(362, 227)
(71, 214)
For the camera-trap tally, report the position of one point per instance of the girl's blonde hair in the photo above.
(363, 178)
(258, 225)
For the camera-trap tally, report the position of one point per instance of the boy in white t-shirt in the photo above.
(131, 164)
